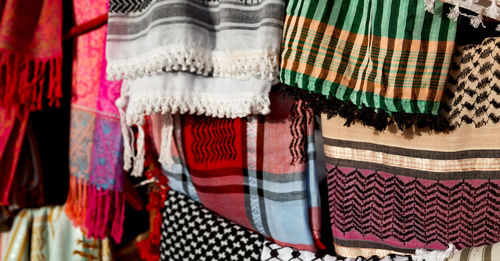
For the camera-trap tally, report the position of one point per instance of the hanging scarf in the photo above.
(96, 200)
(398, 192)
(47, 234)
(473, 90)
(232, 167)
(368, 61)
(30, 52)
(192, 232)
(220, 60)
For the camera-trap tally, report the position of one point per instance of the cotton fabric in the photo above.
(231, 167)
(396, 192)
(192, 232)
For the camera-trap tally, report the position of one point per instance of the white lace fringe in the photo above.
(435, 255)
(237, 65)
(492, 11)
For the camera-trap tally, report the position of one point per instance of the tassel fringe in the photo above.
(99, 213)
(380, 119)
(23, 80)
(436, 255)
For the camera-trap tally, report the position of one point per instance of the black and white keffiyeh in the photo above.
(192, 232)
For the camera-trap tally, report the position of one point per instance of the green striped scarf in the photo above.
(382, 54)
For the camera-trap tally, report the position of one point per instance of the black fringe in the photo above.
(380, 120)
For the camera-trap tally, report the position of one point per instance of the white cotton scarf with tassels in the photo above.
(482, 8)
(215, 58)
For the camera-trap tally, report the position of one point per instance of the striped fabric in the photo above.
(258, 172)
(225, 38)
(396, 192)
(383, 54)
(482, 253)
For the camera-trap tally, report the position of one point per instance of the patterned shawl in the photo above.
(30, 52)
(256, 171)
(192, 232)
(473, 90)
(482, 253)
(220, 59)
(47, 234)
(96, 200)
(375, 61)
(397, 192)
(487, 8)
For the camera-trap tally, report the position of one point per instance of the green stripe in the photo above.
(332, 89)
(487, 253)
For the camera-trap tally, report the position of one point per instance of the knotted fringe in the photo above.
(23, 79)
(166, 141)
(492, 11)
(96, 210)
(436, 255)
(380, 119)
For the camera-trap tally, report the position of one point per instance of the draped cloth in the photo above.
(396, 192)
(47, 234)
(255, 171)
(220, 60)
(371, 61)
(30, 68)
(96, 200)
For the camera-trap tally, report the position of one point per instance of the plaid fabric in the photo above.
(258, 171)
(384, 54)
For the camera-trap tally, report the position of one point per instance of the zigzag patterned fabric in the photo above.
(473, 93)
(192, 232)
(394, 192)
(128, 6)
(256, 171)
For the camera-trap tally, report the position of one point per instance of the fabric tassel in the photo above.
(23, 77)
(436, 255)
(454, 13)
(492, 10)
(498, 28)
(127, 132)
(138, 168)
(429, 6)
(475, 21)
(166, 141)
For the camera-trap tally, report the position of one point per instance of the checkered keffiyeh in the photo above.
(258, 172)
(386, 55)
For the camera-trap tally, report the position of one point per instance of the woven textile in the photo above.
(192, 232)
(386, 55)
(30, 52)
(274, 252)
(482, 253)
(95, 200)
(473, 93)
(47, 234)
(257, 171)
(393, 192)
(488, 8)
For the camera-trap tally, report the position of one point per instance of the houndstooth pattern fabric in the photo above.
(274, 252)
(472, 95)
(192, 232)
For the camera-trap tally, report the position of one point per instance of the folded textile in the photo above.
(274, 252)
(96, 200)
(192, 232)
(472, 95)
(396, 192)
(482, 253)
(220, 60)
(47, 234)
(224, 38)
(369, 61)
(30, 52)
(255, 171)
